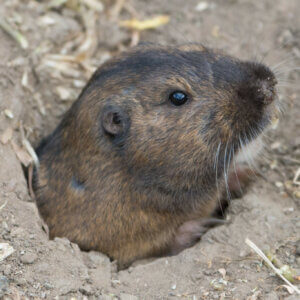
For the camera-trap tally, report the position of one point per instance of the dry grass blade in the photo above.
(72, 44)
(64, 58)
(135, 38)
(146, 24)
(89, 45)
(84, 47)
(116, 10)
(296, 179)
(16, 35)
(3, 205)
(40, 105)
(94, 4)
(22, 154)
(31, 151)
(269, 263)
(68, 64)
(64, 68)
(28, 147)
(30, 178)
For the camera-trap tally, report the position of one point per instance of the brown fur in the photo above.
(126, 187)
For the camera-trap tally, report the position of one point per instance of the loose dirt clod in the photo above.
(28, 258)
(5, 251)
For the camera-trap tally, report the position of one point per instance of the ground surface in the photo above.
(34, 94)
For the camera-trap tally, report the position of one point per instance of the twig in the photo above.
(269, 263)
(3, 205)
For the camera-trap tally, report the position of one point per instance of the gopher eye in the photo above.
(178, 98)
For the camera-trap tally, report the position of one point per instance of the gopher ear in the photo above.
(115, 121)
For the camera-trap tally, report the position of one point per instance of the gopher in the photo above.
(137, 165)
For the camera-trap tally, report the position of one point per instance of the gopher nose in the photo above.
(260, 86)
(266, 93)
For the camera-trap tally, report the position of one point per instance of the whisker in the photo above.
(285, 72)
(225, 175)
(285, 61)
(234, 167)
(288, 68)
(216, 169)
(266, 137)
(297, 88)
(227, 171)
(285, 80)
(272, 50)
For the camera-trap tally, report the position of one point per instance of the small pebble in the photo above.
(21, 281)
(48, 286)
(279, 184)
(207, 273)
(86, 290)
(32, 236)
(286, 38)
(8, 113)
(78, 83)
(202, 6)
(28, 258)
(288, 210)
(63, 93)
